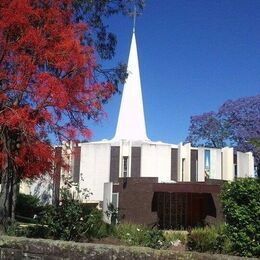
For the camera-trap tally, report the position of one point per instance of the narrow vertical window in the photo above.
(207, 163)
(182, 168)
(125, 166)
(235, 165)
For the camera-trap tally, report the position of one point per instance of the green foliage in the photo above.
(208, 239)
(94, 225)
(64, 221)
(70, 220)
(27, 205)
(15, 230)
(30, 230)
(138, 235)
(241, 205)
(173, 235)
(154, 238)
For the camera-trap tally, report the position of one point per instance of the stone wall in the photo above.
(18, 248)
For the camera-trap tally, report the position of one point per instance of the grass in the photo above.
(174, 235)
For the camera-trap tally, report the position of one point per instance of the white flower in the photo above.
(81, 219)
(177, 242)
(60, 203)
(138, 229)
(127, 234)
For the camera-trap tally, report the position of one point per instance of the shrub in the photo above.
(94, 225)
(154, 238)
(30, 230)
(241, 206)
(207, 239)
(27, 206)
(72, 220)
(15, 230)
(172, 236)
(131, 234)
(138, 235)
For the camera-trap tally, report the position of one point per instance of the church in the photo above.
(174, 185)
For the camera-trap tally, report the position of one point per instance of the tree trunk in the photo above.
(5, 199)
(8, 186)
(14, 196)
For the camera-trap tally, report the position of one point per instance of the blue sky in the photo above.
(193, 56)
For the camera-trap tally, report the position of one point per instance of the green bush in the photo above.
(30, 230)
(138, 235)
(208, 239)
(27, 206)
(37, 231)
(131, 234)
(15, 230)
(95, 227)
(71, 220)
(173, 235)
(241, 206)
(154, 238)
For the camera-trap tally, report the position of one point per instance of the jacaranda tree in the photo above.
(236, 123)
(50, 81)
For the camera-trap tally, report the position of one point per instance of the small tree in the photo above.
(241, 205)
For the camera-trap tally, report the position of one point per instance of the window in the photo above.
(125, 166)
(182, 168)
(207, 163)
(115, 200)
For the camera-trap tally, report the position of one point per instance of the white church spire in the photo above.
(131, 121)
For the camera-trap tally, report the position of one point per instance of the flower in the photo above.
(177, 242)
(138, 229)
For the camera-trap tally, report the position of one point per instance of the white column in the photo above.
(201, 164)
(245, 165)
(228, 164)
(184, 162)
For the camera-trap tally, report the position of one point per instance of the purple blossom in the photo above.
(236, 123)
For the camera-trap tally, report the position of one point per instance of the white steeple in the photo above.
(131, 121)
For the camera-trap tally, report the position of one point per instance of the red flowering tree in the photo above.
(48, 85)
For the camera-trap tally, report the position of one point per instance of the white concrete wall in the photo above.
(40, 187)
(156, 161)
(245, 165)
(228, 163)
(94, 168)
